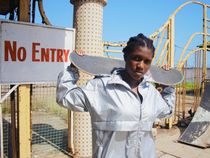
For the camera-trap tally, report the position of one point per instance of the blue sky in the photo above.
(125, 18)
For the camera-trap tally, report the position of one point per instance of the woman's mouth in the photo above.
(139, 72)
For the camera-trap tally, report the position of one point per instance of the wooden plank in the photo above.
(24, 121)
(24, 106)
(24, 10)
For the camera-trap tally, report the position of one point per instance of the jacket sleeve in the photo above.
(167, 103)
(68, 94)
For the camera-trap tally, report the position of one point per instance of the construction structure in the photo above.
(37, 134)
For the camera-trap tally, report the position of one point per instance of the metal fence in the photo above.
(49, 123)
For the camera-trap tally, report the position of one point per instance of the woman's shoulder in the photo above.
(151, 86)
(97, 82)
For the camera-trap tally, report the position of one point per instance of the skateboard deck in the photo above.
(96, 65)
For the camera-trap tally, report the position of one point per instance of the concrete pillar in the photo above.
(88, 22)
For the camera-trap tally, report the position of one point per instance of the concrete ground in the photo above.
(168, 147)
(50, 138)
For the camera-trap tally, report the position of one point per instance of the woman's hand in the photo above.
(79, 52)
(160, 87)
(166, 67)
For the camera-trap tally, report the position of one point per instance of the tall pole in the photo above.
(24, 106)
(88, 22)
(204, 70)
(171, 41)
(171, 54)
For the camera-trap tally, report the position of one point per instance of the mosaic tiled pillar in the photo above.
(88, 22)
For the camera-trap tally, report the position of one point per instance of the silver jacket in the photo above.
(121, 121)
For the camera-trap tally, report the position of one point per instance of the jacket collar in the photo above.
(117, 79)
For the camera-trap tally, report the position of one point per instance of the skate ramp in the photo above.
(198, 131)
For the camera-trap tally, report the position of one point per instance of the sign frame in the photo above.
(35, 66)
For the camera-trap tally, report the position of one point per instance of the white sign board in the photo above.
(33, 53)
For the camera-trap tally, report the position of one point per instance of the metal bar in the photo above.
(169, 55)
(164, 59)
(184, 94)
(204, 70)
(112, 44)
(185, 4)
(42, 12)
(162, 52)
(195, 86)
(188, 43)
(200, 62)
(171, 42)
(159, 43)
(208, 6)
(13, 124)
(180, 65)
(8, 93)
(179, 101)
(176, 102)
(1, 130)
(198, 80)
(174, 14)
(33, 10)
(159, 30)
(112, 51)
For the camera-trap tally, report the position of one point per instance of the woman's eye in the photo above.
(137, 58)
(147, 62)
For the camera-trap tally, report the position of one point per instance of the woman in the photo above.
(122, 106)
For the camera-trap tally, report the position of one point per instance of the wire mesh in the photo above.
(6, 119)
(49, 123)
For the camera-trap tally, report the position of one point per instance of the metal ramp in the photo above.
(198, 131)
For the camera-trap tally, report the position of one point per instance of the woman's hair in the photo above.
(136, 41)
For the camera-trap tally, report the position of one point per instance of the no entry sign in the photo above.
(33, 53)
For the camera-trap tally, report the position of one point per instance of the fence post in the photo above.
(24, 107)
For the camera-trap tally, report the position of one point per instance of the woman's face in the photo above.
(138, 62)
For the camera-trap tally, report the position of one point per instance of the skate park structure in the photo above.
(88, 22)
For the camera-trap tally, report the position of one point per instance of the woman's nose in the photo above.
(140, 64)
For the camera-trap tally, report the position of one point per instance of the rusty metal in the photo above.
(7, 6)
(42, 12)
